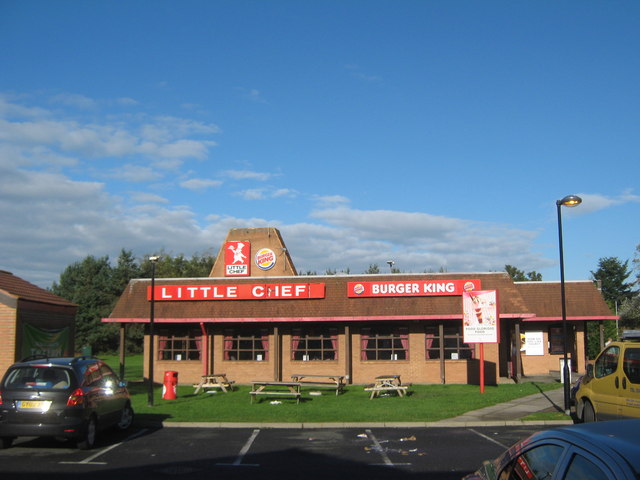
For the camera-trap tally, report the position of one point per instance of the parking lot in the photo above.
(205, 453)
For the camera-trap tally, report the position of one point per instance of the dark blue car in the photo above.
(594, 451)
(71, 398)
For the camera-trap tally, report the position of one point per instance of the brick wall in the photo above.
(414, 370)
(8, 343)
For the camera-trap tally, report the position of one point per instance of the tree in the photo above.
(630, 308)
(373, 269)
(89, 284)
(95, 286)
(630, 313)
(612, 275)
(519, 275)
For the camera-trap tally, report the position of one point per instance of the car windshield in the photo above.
(38, 377)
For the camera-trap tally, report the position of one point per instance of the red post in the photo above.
(482, 368)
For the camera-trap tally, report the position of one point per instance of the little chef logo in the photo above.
(265, 259)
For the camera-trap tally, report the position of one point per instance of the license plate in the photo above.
(42, 405)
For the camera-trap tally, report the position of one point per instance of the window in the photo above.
(583, 469)
(246, 344)
(631, 364)
(535, 464)
(384, 343)
(308, 344)
(37, 377)
(183, 344)
(556, 340)
(452, 338)
(607, 362)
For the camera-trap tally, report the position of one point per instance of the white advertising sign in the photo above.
(480, 316)
(533, 343)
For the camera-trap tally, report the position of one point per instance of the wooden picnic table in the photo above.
(386, 383)
(266, 387)
(214, 380)
(315, 380)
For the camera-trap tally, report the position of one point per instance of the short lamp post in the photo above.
(153, 261)
(568, 201)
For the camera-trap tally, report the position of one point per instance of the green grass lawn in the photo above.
(425, 403)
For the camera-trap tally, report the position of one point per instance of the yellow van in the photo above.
(611, 388)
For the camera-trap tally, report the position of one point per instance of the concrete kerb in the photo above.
(336, 425)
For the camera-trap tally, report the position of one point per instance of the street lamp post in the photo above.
(568, 201)
(153, 261)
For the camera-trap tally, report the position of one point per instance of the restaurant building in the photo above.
(254, 318)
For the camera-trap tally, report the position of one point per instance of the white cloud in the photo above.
(330, 200)
(284, 192)
(51, 219)
(252, 194)
(592, 202)
(145, 197)
(163, 137)
(127, 102)
(74, 100)
(200, 184)
(135, 173)
(247, 175)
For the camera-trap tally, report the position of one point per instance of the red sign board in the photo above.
(411, 288)
(236, 259)
(248, 291)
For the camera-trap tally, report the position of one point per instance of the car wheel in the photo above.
(6, 442)
(588, 413)
(126, 418)
(88, 439)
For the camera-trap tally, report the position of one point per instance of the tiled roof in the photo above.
(583, 299)
(24, 290)
(133, 303)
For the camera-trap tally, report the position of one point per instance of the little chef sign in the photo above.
(245, 291)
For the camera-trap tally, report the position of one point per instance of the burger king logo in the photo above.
(265, 259)
(358, 289)
(468, 286)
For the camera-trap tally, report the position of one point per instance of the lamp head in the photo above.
(154, 258)
(570, 201)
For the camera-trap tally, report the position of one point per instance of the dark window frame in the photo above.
(180, 345)
(246, 344)
(311, 344)
(452, 337)
(384, 343)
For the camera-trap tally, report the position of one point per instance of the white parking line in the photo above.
(385, 458)
(238, 461)
(89, 460)
(489, 438)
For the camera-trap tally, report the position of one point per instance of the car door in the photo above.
(605, 384)
(629, 391)
(112, 399)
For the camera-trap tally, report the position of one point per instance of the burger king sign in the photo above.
(265, 259)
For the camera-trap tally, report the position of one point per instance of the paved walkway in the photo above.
(512, 412)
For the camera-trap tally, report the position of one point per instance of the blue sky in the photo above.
(437, 134)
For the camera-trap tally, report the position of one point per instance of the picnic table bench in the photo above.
(214, 380)
(264, 387)
(386, 383)
(320, 381)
